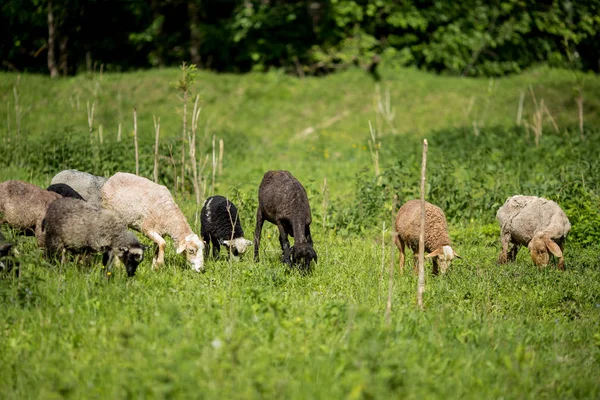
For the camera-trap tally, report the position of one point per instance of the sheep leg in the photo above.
(561, 260)
(435, 270)
(400, 245)
(504, 239)
(207, 240)
(257, 233)
(216, 248)
(159, 257)
(108, 259)
(285, 244)
(512, 254)
(307, 234)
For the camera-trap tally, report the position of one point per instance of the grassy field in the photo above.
(259, 330)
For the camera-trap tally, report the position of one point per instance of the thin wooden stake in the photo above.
(214, 166)
(90, 118)
(119, 133)
(520, 110)
(579, 101)
(135, 142)
(221, 151)
(388, 308)
(421, 283)
(156, 134)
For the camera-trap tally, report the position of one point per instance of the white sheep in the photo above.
(437, 240)
(149, 208)
(535, 222)
(87, 185)
(23, 206)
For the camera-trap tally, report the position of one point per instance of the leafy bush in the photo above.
(470, 177)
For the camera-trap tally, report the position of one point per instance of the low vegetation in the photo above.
(251, 330)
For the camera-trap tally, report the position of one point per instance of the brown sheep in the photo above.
(437, 240)
(23, 206)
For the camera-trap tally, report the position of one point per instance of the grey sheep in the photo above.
(23, 206)
(282, 201)
(87, 185)
(64, 190)
(149, 208)
(535, 222)
(221, 226)
(437, 240)
(80, 227)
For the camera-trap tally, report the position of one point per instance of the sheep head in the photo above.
(132, 257)
(5, 252)
(539, 247)
(302, 254)
(194, 251)
(238, 246)
(443, 256)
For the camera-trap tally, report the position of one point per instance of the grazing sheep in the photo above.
(81, 227)
(87, 185)
(23, 206)
(282, 201)
(149, 208)
(538, 223)
(221, 225)
(437, 240)
(6, 255)
(64, 190)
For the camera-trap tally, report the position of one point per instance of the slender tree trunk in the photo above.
(195, 36)
(51, 40)
(63, 65)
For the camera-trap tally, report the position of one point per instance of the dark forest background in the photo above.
(303, 37)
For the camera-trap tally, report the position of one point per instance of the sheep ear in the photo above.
(226, 242)
(456, 255)
(124, 249)
(553, 247)
(435, 253)
(180, 248)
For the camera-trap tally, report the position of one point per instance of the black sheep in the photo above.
(221, 226)
(64, 190)
(282, 201)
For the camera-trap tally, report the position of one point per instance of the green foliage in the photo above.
(472, 37)
(470, 177)
(260, 330)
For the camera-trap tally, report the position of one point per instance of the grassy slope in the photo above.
(256, 330)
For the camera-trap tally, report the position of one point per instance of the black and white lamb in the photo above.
(85, 184)
(80, 227)
(221, 226)
(6, 255)
(282, 201)
(64, 190)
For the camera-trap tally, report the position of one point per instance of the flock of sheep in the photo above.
(83, 214)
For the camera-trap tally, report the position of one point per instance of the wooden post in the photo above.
(421, 282)
(135, 142)
(388, 308)
(157, 133)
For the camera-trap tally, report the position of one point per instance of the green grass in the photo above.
(259, 330)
